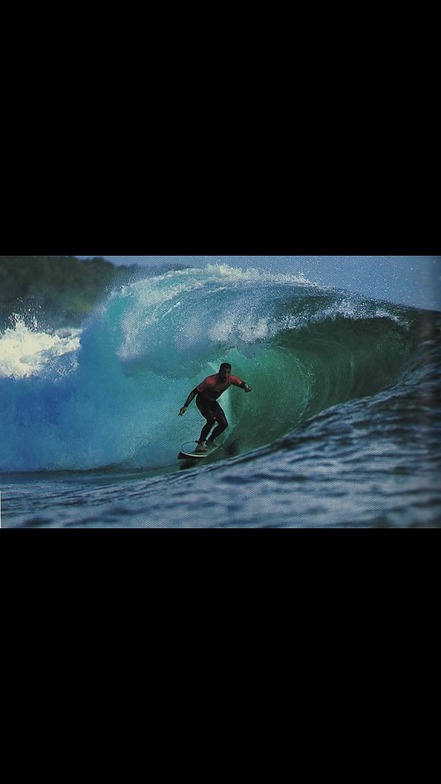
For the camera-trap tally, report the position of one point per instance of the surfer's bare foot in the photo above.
(201, 447)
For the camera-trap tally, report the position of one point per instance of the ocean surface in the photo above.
(342, 428)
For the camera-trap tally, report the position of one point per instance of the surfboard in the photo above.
(187, 453)
(195, 455)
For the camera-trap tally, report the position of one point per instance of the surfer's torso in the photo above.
(213, 386)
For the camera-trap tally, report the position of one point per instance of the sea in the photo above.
(342, 428)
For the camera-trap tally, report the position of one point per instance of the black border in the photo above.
(250, 214)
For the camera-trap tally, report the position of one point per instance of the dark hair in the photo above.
(225, 365)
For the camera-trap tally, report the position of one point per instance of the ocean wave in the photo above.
(109, 394)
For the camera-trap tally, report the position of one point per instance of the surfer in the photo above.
(206, 395)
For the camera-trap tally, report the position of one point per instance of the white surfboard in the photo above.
(186, 452)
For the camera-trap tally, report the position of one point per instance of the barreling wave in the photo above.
(110, 395)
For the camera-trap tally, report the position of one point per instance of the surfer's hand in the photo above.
(247, 388)
(183, 410)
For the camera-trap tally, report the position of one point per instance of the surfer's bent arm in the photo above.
(239, 383)
(191, 396)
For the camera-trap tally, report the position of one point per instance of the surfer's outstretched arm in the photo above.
(191, 396)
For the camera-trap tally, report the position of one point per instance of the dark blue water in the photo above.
(342, 428)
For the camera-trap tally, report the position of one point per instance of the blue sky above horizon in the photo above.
(407, 280)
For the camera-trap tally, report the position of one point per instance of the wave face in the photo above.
(109, 394)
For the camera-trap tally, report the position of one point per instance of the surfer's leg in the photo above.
(222, 423)
(207, 412)
(206, 430)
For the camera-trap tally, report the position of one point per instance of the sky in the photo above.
(406, 280)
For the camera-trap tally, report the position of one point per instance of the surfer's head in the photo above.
(225, 370)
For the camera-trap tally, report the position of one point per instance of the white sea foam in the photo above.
(24, 352)
(247, 328)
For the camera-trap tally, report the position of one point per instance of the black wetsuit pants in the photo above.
(211, 410)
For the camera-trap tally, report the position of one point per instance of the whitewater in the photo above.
(342, 427)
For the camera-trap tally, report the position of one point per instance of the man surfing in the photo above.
(206, 395)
